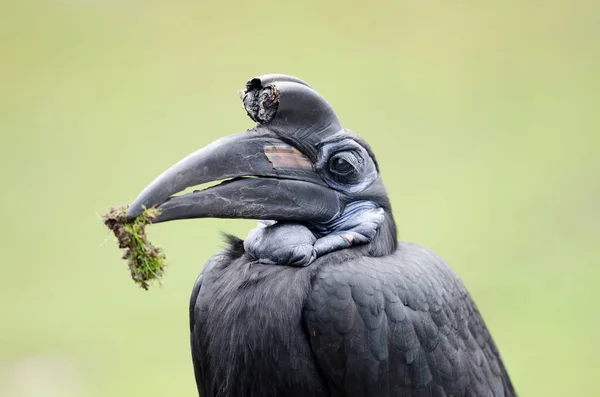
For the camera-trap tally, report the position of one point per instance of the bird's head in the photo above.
(297, 165)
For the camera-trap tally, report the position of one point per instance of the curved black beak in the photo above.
(268, 180)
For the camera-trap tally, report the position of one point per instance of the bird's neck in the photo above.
(368, 223)
(363, 225)
(385, 241)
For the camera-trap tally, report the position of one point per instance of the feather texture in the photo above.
(348, 325)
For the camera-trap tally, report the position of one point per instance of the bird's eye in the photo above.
(346, 166)
(342, 164)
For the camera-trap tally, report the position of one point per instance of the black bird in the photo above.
(320, 299)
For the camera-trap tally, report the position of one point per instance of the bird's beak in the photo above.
(264, 179)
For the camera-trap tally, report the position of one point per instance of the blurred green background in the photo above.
(483, 115)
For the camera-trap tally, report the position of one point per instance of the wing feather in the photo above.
(402, 325)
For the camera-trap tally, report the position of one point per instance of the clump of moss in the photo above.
(146, 262)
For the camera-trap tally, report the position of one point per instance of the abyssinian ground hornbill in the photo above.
(320, 299)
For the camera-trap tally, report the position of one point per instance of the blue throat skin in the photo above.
(296, 244)
(354, 214)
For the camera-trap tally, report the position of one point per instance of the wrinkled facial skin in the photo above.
(298, 244)
(347, 167)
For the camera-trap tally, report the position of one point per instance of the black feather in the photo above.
(247, 335)
(348, 325)
(236, 244)
(400, 325)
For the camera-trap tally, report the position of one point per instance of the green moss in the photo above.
(146, 262)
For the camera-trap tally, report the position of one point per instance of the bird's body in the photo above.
(321, 300)
(270, 355)
(348, 325)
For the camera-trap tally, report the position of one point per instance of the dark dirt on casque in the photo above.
(146, 262)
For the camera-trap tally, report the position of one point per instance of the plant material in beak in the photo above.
(146, 261)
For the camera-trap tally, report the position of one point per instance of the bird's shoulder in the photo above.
(399, 325)
(416, 277)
